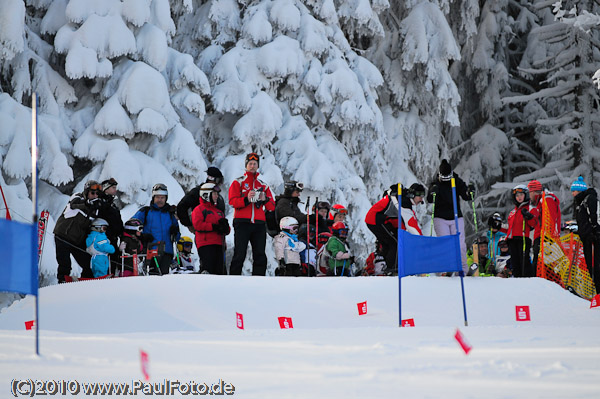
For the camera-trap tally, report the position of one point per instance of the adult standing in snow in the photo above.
(443, 216)
(109, 212)
(72, 228)
(211, 227)
(413, 197)
(382, 220)
(191, 200)
(553, 204)
(159, 220)
(249, 197)
(521, 222)
(586, 214)
(287, 203)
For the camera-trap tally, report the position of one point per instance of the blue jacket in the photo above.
(99, 247)
(493, 239)
(161, 223)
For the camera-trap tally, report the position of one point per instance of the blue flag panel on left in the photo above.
(422, 254)
(18, 272)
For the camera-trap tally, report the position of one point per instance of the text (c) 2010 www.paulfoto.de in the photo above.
(30, 387)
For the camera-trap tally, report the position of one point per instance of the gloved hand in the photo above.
(146, 238)
(217, 228)
(224, 224)
(435, 189)
(122, 246)
(352, 259)
(494, 223)
(94, 203)
(173, 209)
(173, 230)
(471, 189)
(526, 214)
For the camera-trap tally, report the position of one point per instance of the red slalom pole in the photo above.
(5, 204)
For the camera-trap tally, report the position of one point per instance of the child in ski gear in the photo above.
(308, 257)
(340, 258)
(185, 262)
(412, 197)
(159, 220)
(250, 198)
(480, 262)
(287, 203)
(320, 210)
(382, 220)
(337, 213)
(443, 217)
(503, 263)
(521, 223)
(191, 200)
(494, 234)
(537, 201)
(131, 244)
(111, 213)
(375, 262)
(288, 247)
(72, 228)
(99, 247)
(586, 215)
(211, 227)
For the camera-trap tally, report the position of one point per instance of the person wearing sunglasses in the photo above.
(250, 197)
(191, 200)
(521, 224)
(71, 230)
(287, 203)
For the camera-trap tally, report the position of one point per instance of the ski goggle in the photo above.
(419, 193)
(519, 190)
(293, 228)
(341, 211)
(95, 192)
(95, 187)
(187, 244)
(252, 157)
(216, 180)
(343, 233)
(135, 228)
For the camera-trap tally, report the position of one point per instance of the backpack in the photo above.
(323, 256)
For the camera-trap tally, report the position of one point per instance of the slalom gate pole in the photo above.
(524, 246)
(307, 210)
(474, 215)
(400, 252)
(5, 204)
(317, 223)
(432, 213)
(458, 254)
(34, 200)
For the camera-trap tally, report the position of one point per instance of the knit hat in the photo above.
(534, 185)
(579, 185)
(445, 171)
(214, 175)
(252, 157)
(106, 184)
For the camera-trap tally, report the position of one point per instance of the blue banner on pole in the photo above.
(423, 254)
(18, 273)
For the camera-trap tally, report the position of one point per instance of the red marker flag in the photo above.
(145, 361)
(29, 324)
(462, 342)
(408, 323)
(595, 301)
(239, 320)
(285, 322)
(523, 313)
(362, 308)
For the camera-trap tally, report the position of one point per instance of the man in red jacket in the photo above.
(382, 220)
(250, 197)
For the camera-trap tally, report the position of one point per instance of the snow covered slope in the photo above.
(93, 331)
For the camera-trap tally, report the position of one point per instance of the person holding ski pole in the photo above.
(586, 214)
(382, 220)
(521, 223)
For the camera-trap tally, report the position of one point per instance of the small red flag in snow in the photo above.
(285, 322)
(29, 324)
(145, 362)
(362, 308)
(595, 301)
(408, 323)
(462, 342)
(239, 320)
(523, 313)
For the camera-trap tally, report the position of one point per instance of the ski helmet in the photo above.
(495, 221)
(445, 171)
(502, 243)
(185, 243)
(481, 240)
(214, 175)
(99, 224)
(534, 185)
(321, 205)
(291, 186)
(416, 190)
(339, 229)
(134, 224)
(91, 185)
(206, 189)
(520, 188)
(288, 223)
(337, 208)
(160, 189)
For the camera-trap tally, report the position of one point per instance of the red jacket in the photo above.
(238, 198)
(385, 211)
(554, 209)
(515, 223)
(203, 218)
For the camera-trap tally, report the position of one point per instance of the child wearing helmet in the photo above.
(503, 263)
(478, 259)
(287, 248)
(337, 213)
(210, 227)
(521, 224)
(131, 245)
(340, 258)
(99, 246)
(185, 262)
(494, 234)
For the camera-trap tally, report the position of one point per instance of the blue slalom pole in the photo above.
(461, 273)
(34, 231)
(399, 257)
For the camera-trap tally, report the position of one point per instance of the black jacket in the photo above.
(73, 225)
(444, 207)
(586, 211)
(288, 206)
(191, 200)
(109, 212)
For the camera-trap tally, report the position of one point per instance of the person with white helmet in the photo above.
(211, 227)
(99, 246)
(521, 225)
(288, 247)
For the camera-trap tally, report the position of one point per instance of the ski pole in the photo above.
(307, 210)
(432, 213)
(317, 223)
(523, 263)
(474, 214)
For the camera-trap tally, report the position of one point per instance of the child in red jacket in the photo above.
(521, 225)
(211, 228)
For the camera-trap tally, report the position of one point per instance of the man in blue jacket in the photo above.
(159, 221)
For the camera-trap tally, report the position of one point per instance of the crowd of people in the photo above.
(312, 242)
